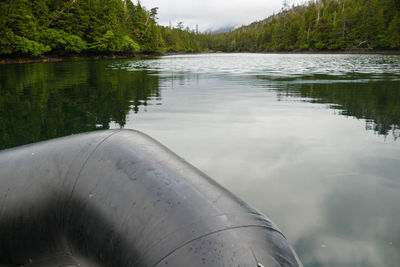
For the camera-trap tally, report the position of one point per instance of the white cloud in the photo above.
(213, 14)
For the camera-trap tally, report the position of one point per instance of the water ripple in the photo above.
(273, 65)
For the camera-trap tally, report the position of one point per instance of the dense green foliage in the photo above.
(179, 39)
(35, 27)
(320, 25)
(60, 27)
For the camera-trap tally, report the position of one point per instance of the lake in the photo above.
(312, 141)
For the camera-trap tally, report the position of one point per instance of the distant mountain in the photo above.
(222, 29)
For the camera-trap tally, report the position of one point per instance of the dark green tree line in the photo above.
(179, 39)
(60, 27)
(320, 25)
(35, 27)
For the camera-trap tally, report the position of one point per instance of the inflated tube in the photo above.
(119, 198)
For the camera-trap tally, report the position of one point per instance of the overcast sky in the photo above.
(213, 14)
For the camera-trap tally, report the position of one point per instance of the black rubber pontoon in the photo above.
(119, 198)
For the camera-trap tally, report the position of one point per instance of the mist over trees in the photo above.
(92, 27)
(320, 25)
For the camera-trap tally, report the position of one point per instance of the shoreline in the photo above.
(48, 59)
(339, 52)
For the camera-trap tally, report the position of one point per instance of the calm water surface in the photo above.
(310, 140)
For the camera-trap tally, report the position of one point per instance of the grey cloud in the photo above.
(213, 14)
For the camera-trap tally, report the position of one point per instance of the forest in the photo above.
(320, 25)
(34, 28)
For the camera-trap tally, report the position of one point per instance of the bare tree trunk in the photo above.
(344, 20)
(147, 27)
(63, 9)
(334, 18)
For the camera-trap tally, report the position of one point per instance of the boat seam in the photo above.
(87, 159)
(211, 233)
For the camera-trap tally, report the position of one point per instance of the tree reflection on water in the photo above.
(44, 101)
(377, 101)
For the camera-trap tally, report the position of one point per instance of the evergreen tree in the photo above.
(320, 25)
(37, 27)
